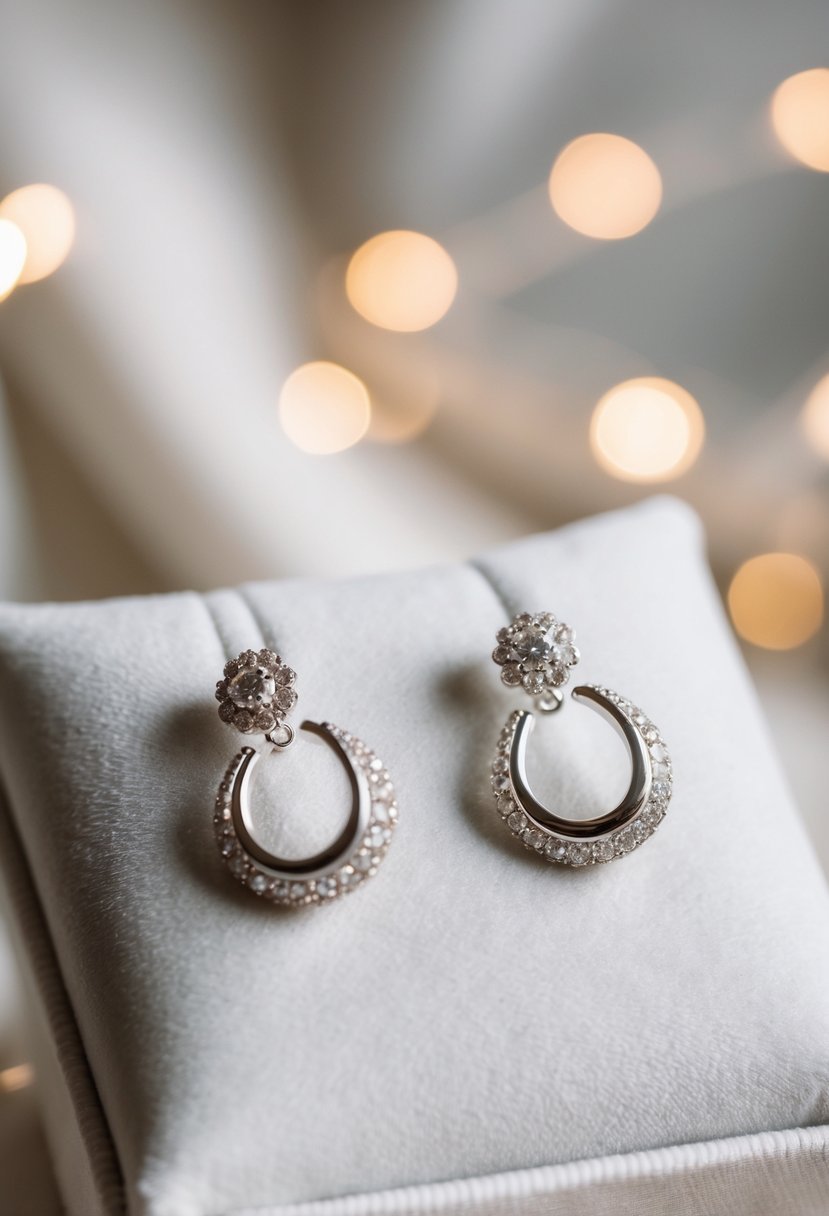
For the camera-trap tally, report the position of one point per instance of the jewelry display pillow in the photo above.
(474, 1029)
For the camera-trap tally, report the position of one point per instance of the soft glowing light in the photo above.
(12, 256)
(401, 280)
(815, 418)
(17, 1077)
(324, 408)
(648, 429)
(605, 186)
(45, 217)
(800, 117)
(776, 600)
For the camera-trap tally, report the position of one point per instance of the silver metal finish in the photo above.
(583, 829)
(329, 859)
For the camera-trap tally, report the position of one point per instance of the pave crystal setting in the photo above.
(370, 847)
(558, 846)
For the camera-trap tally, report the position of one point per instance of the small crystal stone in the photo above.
(298, 890)
(227, 846)
(564, 654)
(385, 793)
(534, 838)
(564, 634)
(660, 791)
(556, 849)
(501, 765)
(500, 782)
(532, 645)
(252, 689)
(652, 813)
(237, 865)
(285, 676)
(362, 862)
(534, 682)
(578, 854)
(516, 821)
(327, 887)
(285, 698)
(625, 840)
(603, 850)
(506, 805)
(510, 674)
(243, 721)
(659, 752)
(258, 883)
(226, 710)
(500, 655)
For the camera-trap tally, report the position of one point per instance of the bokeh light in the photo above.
(800, 117)
(324, 408)
(776, 600)
(605, 186)
(647, 429)
(12, 256)
(19, 1076)
(47, 220)
(403, 281)
(815, 418)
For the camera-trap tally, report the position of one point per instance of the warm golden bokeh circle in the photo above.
(46, 218)
(605, 186)
(12, 256)
(776, 600)
(401, 280)
(324, 408)
(646, 429)
(800, 117)
(815, 418)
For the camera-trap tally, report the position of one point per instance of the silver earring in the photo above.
(537, 653)
(255, 696)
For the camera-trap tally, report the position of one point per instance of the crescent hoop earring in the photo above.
(255, 696)
(537, 654)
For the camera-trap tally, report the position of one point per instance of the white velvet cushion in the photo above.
(472, 1010)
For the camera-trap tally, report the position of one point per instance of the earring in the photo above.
(537, 654)
(255, 695)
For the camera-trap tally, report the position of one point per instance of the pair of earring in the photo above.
(535, 653)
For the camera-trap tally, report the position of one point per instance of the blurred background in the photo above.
(318, 288)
